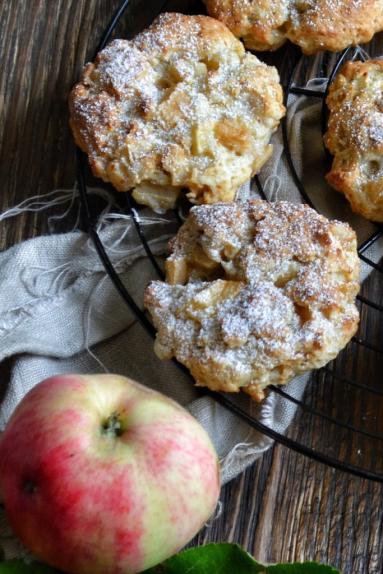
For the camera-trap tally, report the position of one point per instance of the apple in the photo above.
(101, 475)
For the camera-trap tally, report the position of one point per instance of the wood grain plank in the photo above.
(44, 45)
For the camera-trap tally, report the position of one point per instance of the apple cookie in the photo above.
(256, 293)
(183, 105)
(355, 136)
(312, 24)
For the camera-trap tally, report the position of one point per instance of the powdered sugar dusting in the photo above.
(355, 136)
(268, 293)
(181, 105)
(312, 24)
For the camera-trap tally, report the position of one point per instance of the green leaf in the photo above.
(218, 558)
(22, 567)
(229, 558)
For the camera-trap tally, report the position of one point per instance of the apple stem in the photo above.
(112, 425)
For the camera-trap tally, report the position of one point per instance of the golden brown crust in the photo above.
(312, 24)
(260, 24)
(256, 293)
(355, 136)
(180, 106)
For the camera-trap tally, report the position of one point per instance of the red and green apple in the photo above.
(101, 475)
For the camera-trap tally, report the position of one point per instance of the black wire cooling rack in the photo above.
(338, 419)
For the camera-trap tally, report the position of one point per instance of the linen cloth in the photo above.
(60, 313)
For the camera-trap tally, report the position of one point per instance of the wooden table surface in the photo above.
(285, 507)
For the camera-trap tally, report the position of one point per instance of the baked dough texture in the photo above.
(355, 136)
(183, 105)
(256, 293)
(312, 24)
